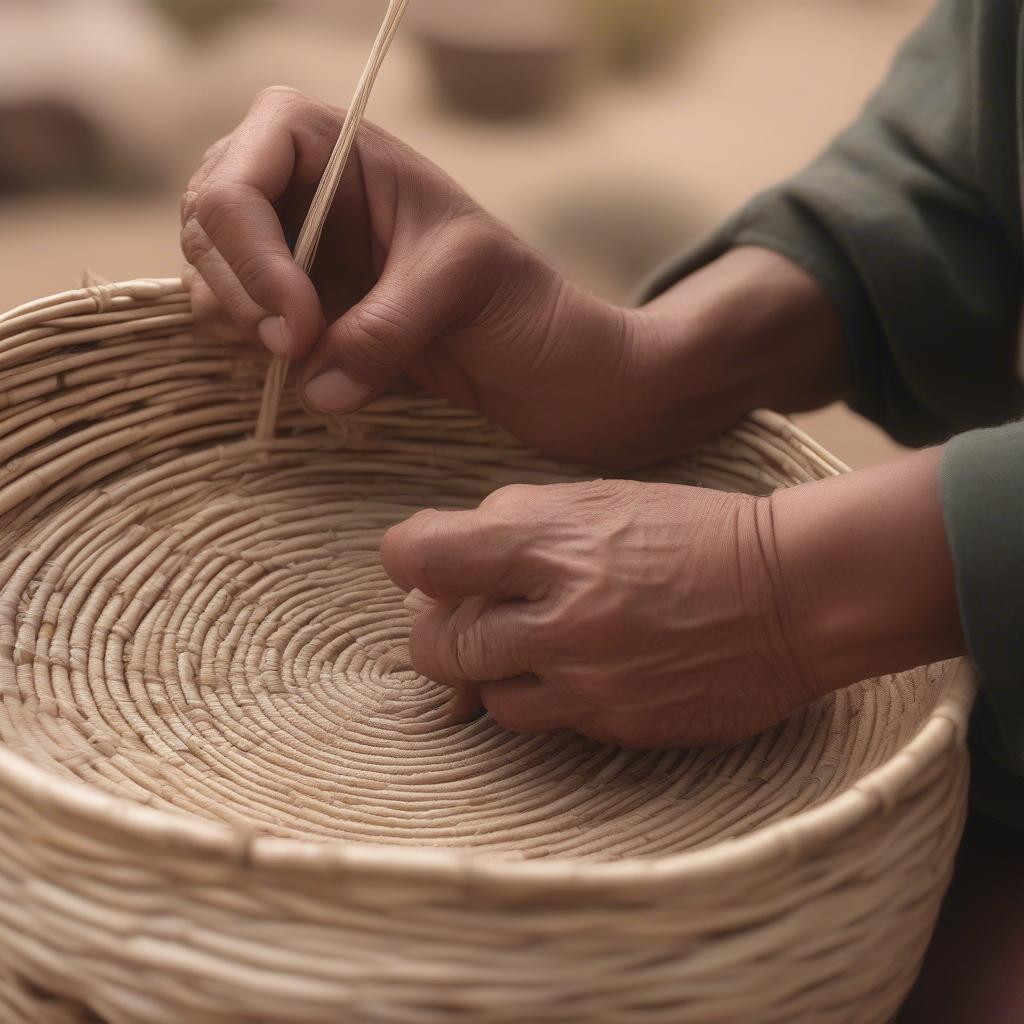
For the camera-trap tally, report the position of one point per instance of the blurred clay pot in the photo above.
(501, 58)
(89, 89)
(45, 144)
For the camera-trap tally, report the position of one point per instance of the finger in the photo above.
(369, 348)
(457, 554)
(209, 161)
(471, 641)
(211, 266)
(233, 208)
(426, 285)
(465, 705)
(242, 226)
(527, 705)
(205, 307)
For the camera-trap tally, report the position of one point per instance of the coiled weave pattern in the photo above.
(226, 797)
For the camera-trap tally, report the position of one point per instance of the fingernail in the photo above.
(335, 392)
(275, 333)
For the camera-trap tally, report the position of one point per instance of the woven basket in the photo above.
(226, 797)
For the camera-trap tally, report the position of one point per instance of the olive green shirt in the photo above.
(911, 221)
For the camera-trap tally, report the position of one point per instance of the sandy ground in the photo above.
(757, 95)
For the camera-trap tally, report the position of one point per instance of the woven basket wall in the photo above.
(225, 796)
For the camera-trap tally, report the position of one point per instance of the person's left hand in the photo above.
(645, 615)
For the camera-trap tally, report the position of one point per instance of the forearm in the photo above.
(866, 578)
(750, 330)
(910, 222)
(866, 571)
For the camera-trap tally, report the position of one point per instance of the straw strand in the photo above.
(312, 228)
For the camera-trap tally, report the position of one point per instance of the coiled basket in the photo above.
(226, 797)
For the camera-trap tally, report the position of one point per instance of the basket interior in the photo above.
(201, 624)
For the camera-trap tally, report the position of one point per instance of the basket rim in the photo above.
(876, 792)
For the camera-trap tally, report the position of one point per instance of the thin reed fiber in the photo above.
(313, 225)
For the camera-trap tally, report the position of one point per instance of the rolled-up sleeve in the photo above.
(910, 221)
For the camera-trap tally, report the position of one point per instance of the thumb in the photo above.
(364, 352)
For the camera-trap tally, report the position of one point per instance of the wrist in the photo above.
(868, 580)
(750, 330)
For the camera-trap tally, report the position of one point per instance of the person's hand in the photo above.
(646, 615)
(414, 278)
(654, 615)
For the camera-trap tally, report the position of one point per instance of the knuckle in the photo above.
(419, 523)
(589, 683)
(195, 243)
(216, 150)
(479, 239)
(214, 200)
(462, 645)
(188, 205)
(511, 497)
(208, 163)
(467, 240)
(555, 635)
(552, 630)
(279, 95)
(477, 649)
(391, 540)
(301, 111)
(380, 329)
(368, 363)
(569, 621)
(417, 543)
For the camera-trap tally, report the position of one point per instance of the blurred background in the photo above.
(608, 132)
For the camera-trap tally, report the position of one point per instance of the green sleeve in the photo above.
(983, 503)
(910, 221)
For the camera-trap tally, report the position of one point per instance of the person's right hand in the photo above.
(414, 278)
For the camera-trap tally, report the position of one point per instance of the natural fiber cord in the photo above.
(313, 226)
(226, 797)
